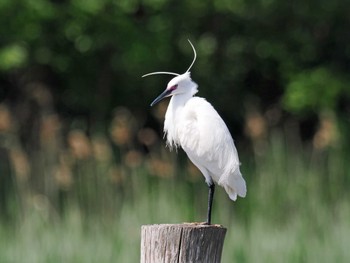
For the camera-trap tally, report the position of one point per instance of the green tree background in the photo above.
(77, 132)
(91, 54)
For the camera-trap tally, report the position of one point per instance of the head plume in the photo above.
(172, 73)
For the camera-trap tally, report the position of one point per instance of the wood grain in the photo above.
(182, 243)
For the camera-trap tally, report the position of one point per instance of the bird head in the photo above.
(180, 84)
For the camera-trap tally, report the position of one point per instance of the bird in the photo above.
(193, 124)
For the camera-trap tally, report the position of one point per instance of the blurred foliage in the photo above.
(297, 208)
(77, 134)
(67, 66)
(316, 89)
(294, 55)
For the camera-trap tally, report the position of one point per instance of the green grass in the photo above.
(297, 210)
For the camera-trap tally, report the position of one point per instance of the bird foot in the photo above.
(198, 223)
(203, 224)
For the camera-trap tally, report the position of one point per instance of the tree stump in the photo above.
(182, 243)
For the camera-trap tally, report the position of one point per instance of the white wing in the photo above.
(207, 141)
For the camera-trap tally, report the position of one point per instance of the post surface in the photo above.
(182, 243)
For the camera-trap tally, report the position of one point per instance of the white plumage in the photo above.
(193, 124)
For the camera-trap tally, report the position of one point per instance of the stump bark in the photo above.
(182, 243)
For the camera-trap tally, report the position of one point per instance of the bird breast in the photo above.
(200, 131)
(203, 135)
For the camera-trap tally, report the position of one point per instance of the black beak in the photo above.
(165, 94)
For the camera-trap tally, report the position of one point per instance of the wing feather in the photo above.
(207, 141)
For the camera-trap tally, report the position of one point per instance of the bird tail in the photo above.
(235, 185)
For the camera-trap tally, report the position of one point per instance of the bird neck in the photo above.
(180, 99)
(173, 115)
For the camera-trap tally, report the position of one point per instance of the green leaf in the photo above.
(314, 89)
(12, 56)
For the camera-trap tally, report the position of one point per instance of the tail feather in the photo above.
(231, 193)
(235, 185)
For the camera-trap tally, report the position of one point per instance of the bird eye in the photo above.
(172, 88)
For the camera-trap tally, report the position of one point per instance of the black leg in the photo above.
(210, 201)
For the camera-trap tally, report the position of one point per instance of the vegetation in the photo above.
(82, 162)
(297, 210)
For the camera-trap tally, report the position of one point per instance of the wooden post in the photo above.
(182, 243)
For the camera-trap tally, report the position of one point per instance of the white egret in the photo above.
(192, 123)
